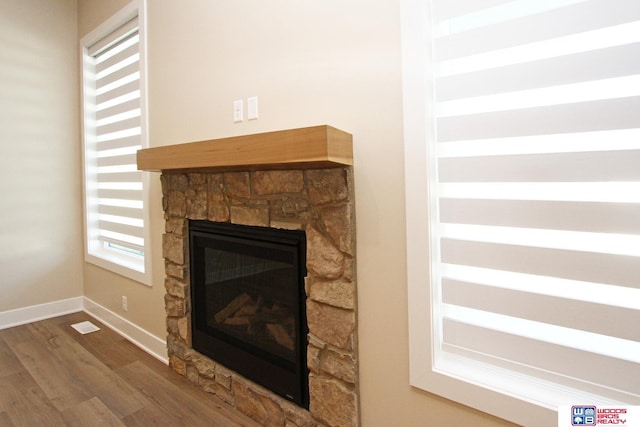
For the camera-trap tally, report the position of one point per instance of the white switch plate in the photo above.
(237, 111)
(252, 108)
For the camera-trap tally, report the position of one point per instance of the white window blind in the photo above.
(534, 167)
(116, 209)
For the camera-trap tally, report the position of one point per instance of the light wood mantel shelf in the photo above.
(310, 147)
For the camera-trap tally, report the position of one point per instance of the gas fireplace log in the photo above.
(269, 316)
(232, 307)
(248, 309)
(280, 335)
(237, 320)
(276, 320)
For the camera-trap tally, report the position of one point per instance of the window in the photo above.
(523, 193)
(114, 118)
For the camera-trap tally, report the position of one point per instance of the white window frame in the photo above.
(122, 262)
(463, 381)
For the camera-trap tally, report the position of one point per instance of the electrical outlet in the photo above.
(125, 305)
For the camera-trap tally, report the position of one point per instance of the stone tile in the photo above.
(286, 225)
(340, 365)
(207, 384)
(223, 377)
(176, 225)
(327, 186)
(196, 202)
(175, 287)
(313, 359)
(289, 206)
(237, 185)
(175, 307)
(172, 325)
(278, 182)
(339, 223)
(205, 366)
(176, 347)
(184, 330)
(298, 417)
(332, 402)
(257, 406)
(332, 325)
(338, 293)
(192, 374)
(175, 270)
(215, 187)
(196, 179)
(176, 204)
(218, 210)
(176, 181)
(173, 248)
(323, 259)
(178, 365)
(250, 216)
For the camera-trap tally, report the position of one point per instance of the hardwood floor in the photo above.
(51, 375)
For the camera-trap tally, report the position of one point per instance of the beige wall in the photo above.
(40, 179)
(92, 13)
(309, 62)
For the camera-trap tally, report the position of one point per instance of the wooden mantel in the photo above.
(310, 147)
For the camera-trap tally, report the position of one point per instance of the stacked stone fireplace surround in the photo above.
(318, 201)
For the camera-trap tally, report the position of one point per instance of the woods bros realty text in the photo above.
(611, 416)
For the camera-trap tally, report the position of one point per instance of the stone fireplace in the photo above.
(300, 179)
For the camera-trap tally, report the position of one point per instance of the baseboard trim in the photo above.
(138, 336)
(22, 316)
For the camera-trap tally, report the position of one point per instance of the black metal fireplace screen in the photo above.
(248, 303)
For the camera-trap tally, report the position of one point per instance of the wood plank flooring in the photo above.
(51, 375)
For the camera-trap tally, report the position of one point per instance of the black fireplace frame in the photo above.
(288, 380)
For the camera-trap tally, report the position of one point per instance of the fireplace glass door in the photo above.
(248, 303)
